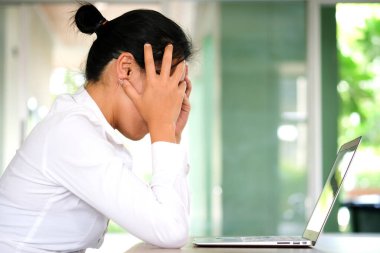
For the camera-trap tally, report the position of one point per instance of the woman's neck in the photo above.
(101, 93)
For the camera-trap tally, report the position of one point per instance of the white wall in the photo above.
(27, 58)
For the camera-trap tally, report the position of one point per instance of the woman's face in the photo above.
(130, 122)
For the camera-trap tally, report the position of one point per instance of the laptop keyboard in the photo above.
(271, 238)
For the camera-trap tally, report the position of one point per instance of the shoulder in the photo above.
(74, 128)
(77, 128)
(72, 109)
(76, 141)
(69, 124)
(66, 119)
(74, 114)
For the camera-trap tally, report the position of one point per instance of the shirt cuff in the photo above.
(168, 160)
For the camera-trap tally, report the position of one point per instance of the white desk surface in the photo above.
(327, 243)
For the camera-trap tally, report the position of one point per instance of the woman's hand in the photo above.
(185, 109)
(161, 101)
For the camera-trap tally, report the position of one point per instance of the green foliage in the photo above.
(352, 96)
(369, 43)
(359, 93)
(368, 179)
(114, 228)
(70, 82)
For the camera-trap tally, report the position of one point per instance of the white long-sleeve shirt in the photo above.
(72, 174)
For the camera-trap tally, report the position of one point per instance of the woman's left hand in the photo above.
(185, 109)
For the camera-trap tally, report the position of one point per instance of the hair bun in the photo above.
(88, 19)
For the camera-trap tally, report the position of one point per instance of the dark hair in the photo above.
(128, 33)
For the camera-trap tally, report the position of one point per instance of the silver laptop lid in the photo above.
(330, 191)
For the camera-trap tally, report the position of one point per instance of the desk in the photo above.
(327, 243)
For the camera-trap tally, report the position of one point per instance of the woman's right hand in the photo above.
(160, 102)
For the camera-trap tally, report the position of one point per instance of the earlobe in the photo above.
(121, 82)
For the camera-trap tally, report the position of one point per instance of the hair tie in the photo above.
(100, 26)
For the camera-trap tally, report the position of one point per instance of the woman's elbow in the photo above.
(174, 237)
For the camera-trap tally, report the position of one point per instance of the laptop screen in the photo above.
(330, 190)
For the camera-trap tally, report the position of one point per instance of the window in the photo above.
(359, 93)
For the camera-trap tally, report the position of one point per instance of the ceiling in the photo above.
(59, 17)
(70, 45)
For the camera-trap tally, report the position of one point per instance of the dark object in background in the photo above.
(364, 214)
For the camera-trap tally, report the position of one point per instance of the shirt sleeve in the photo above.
(79, 157)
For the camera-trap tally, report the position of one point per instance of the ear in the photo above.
(125, 64)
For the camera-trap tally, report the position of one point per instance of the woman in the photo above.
(72, 174)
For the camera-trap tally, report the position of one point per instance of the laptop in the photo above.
(317, 219)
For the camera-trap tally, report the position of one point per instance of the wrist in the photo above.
(162, 132)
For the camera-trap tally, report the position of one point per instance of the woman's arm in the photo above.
(99, 174)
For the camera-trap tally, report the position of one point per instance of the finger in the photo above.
(185, 102)
(182, 87)
(132, 93)
(189, 86)
(167, 60)
(179, 71)
(149, 60)
(184, 72)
